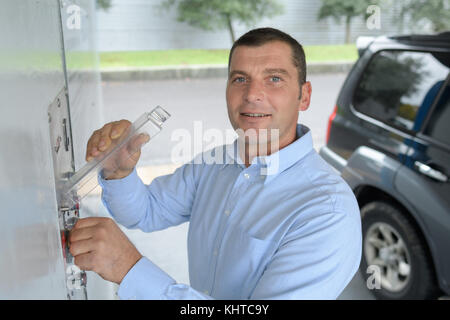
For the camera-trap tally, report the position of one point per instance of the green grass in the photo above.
(343, 52)
(81, 60)
(189, 56)
(162, 58)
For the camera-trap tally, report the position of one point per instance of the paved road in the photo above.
(201, 100)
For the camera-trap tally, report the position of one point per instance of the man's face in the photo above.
(263, 90)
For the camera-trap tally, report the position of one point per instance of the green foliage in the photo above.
(343, 8)
(103, 4)
(436, 12)
(390, 66)
(347, 9)
(220, 14)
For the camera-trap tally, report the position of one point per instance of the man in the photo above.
(292, 234)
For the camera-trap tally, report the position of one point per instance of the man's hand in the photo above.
(99, 245)
(106, 138)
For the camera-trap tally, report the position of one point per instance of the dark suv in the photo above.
(389, 136)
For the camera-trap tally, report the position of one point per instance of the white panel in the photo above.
(31, 75)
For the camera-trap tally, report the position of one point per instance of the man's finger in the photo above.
(137, 142)
(88, 222)
(81, 233)
(105, 140)
(91, 149)
(101, 139)
(118, 128)
(81, 247)
(85, 261)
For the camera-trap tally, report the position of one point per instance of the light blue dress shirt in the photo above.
(292, 234)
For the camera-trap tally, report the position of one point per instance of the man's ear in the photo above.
(305, 98)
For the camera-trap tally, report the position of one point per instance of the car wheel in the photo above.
(395, 252)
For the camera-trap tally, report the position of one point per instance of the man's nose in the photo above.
(255, 92)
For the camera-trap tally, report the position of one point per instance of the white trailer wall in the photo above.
(32, 73)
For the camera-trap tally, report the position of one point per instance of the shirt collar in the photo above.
(277, 162)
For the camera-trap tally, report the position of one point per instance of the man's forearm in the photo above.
(125, 198)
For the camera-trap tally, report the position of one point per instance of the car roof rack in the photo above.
(441, 38)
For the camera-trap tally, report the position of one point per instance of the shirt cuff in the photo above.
(124, 185)
(146, 281)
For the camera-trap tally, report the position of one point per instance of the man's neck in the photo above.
(247, 151)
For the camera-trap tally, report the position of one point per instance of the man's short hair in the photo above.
(261, 36)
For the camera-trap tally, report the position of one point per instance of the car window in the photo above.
(399, 87)
(438, 127)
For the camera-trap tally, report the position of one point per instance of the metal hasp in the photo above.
(68, 211)
(76, 279)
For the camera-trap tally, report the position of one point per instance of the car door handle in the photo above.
(430, 172)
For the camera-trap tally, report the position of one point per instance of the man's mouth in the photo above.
(255, 115)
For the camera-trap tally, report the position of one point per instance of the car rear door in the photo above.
(424, 180)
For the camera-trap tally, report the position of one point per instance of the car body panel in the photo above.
(372, 153)
(430, 210)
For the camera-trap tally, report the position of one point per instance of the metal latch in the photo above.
(76, 278)
(68, 207)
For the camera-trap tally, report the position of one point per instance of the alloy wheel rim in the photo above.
(386, 249)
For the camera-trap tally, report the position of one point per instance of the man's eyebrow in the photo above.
(235, 72)
(277, 70)
(266, 71)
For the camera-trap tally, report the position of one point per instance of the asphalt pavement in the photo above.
(193, 103)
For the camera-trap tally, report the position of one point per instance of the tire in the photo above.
(393, 249)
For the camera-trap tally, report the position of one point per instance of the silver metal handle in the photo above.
(430, 172)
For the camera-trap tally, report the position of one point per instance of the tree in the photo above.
(347, 9)
(103, 4)
(434, 12)
(222, 14)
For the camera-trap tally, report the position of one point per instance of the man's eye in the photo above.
(239, 79)
(275, 79)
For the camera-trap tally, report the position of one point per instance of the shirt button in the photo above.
(246, 175)
(227, 212)
(206, 292)
(215, 252)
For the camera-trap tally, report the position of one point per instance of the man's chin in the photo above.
(257, 135)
